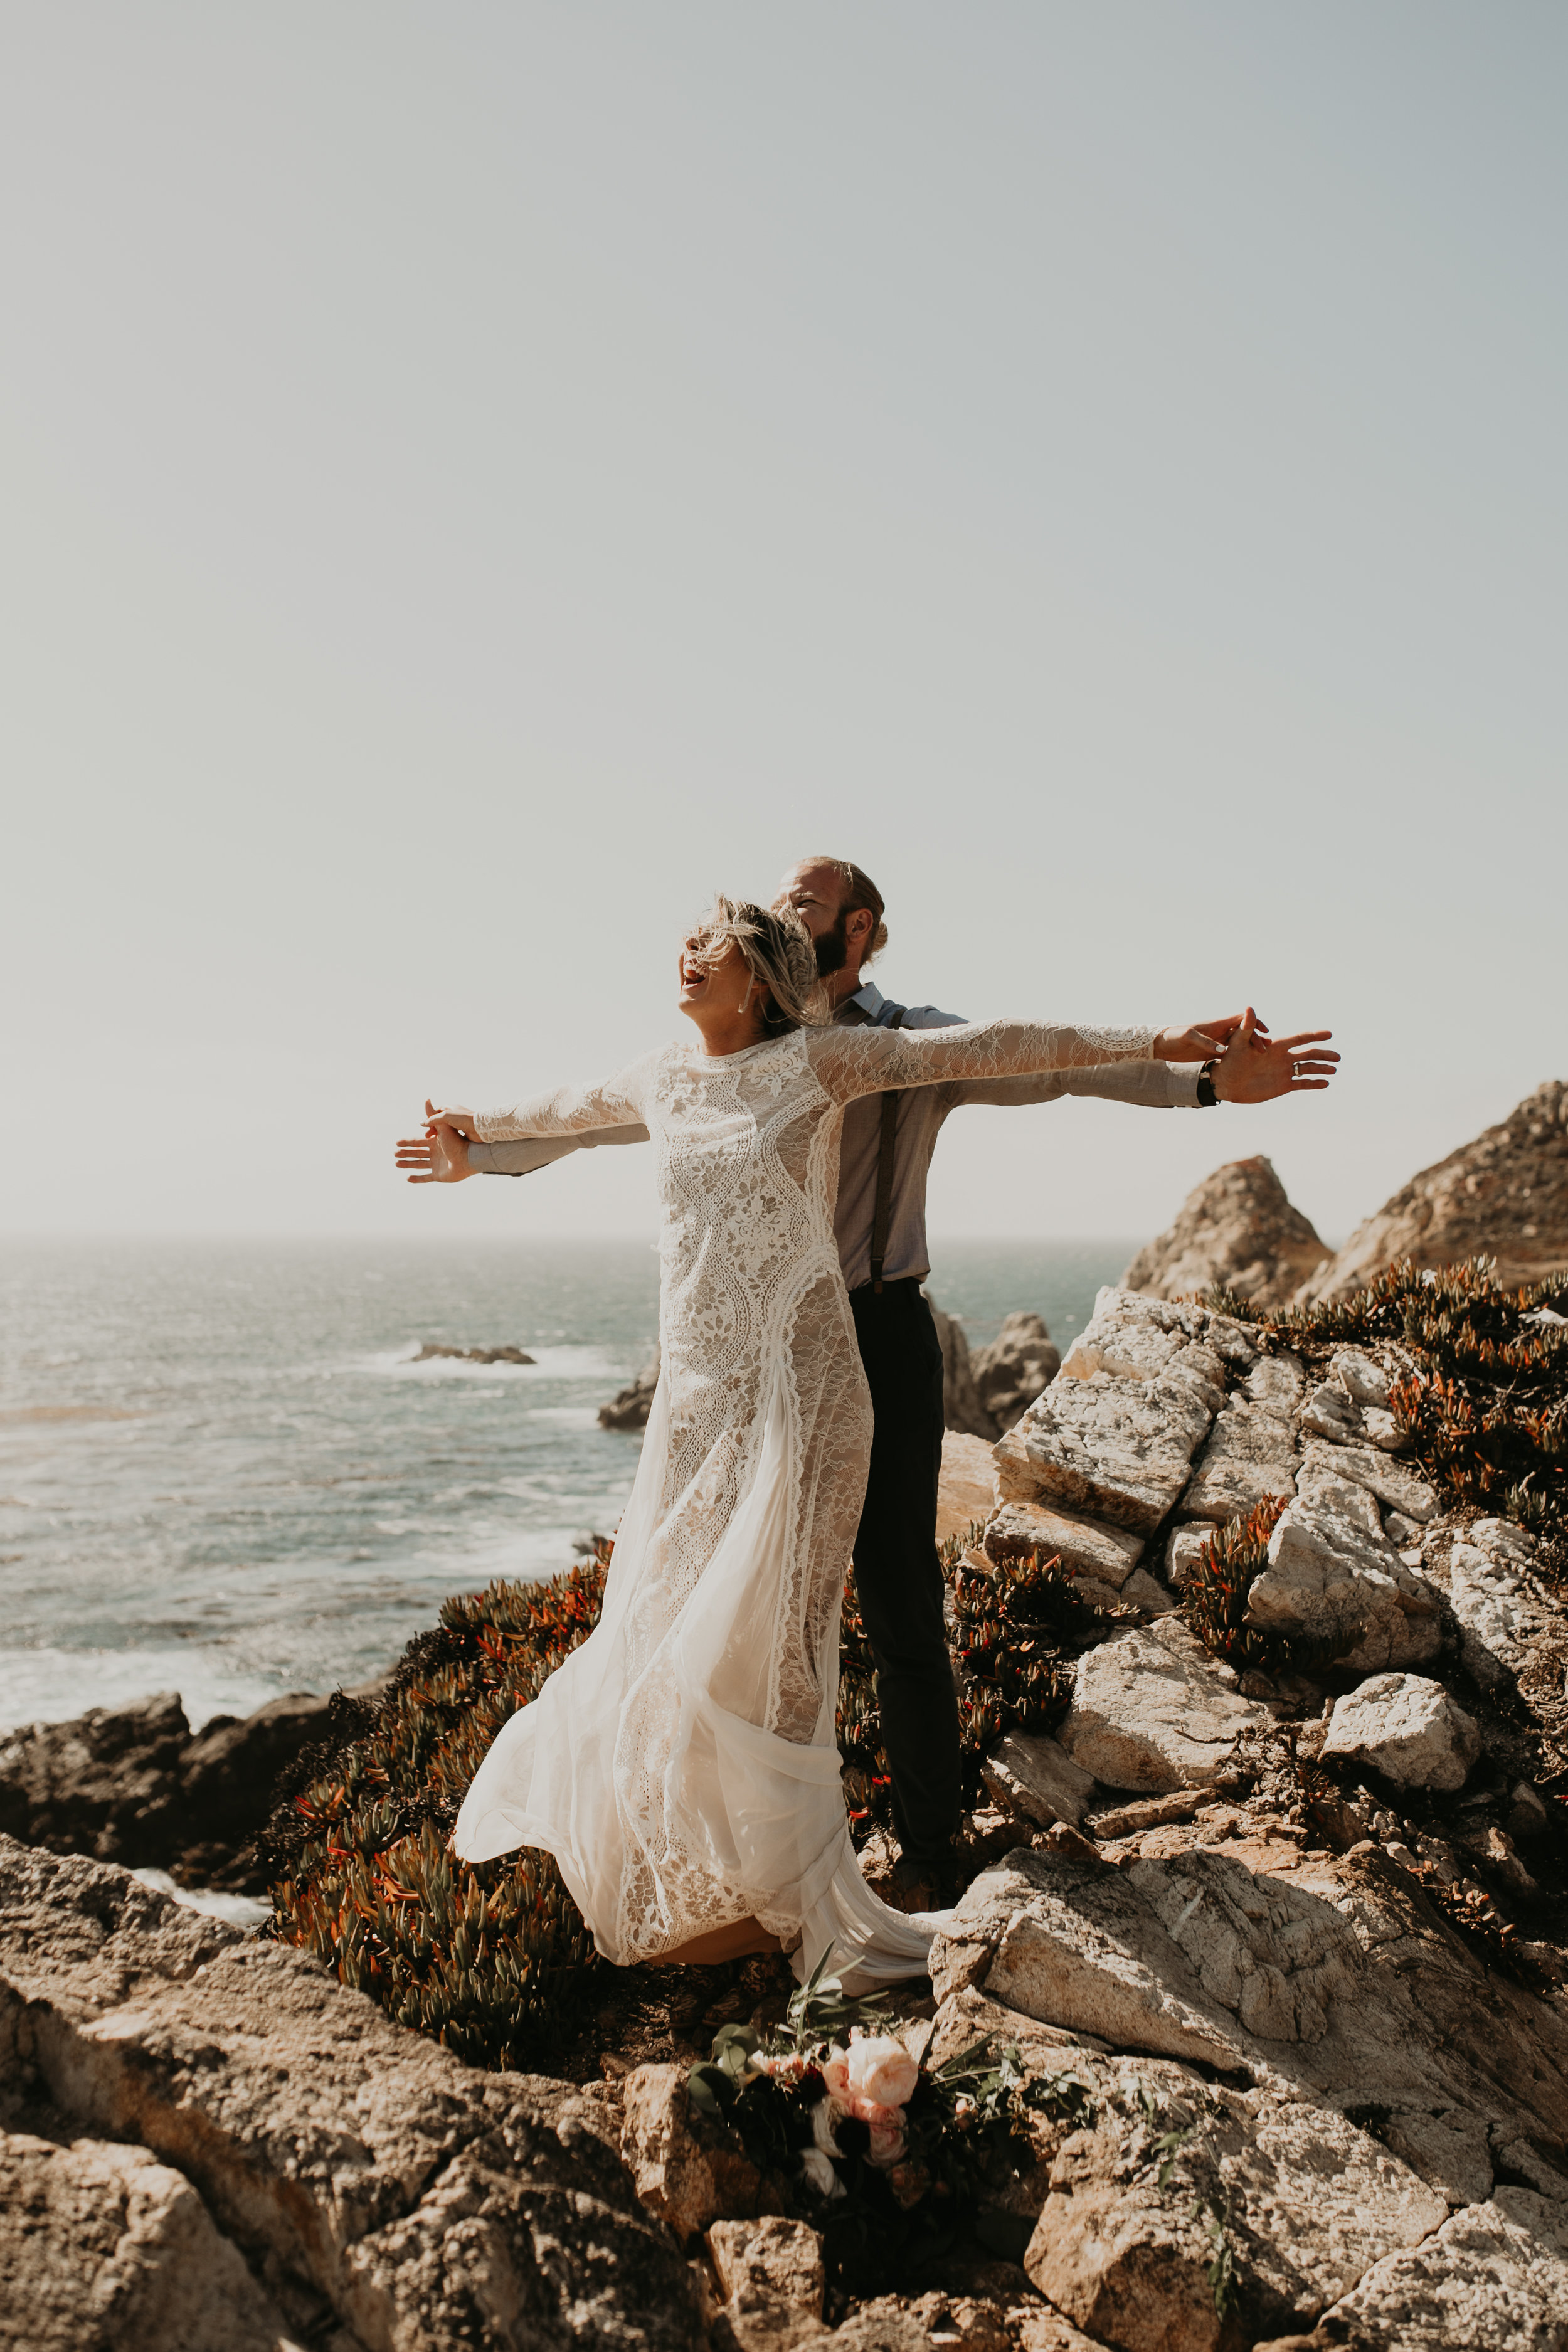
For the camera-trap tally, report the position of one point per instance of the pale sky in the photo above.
(478, 478)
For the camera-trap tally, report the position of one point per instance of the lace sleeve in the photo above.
(851, 1062)
(617, 1102)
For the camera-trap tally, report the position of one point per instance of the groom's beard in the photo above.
(832, 947)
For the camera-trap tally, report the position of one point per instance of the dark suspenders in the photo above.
(885, 1151)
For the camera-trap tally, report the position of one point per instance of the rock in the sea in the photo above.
(1408, 1728)
(1504, 1195)
(1238, 1229)
(961, 1405)
(134, 1785)
(1011, 1369)
(629, 1407)
(1150, 1710)
(386, 2194)
(472, 1355)
(1336, 1581)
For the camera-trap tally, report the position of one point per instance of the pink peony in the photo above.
(835, 2074)
(880, 2068)
(886, 2145)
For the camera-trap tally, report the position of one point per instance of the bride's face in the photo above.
(712, 984)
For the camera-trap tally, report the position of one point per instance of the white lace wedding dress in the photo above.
(681, 1764)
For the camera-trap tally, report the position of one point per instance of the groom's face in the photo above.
(817, 895)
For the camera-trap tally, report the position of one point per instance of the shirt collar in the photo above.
(868, 998)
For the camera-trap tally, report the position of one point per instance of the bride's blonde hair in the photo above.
(778, 953)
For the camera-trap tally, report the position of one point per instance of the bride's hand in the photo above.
(459, 1120)
(1205, 1040)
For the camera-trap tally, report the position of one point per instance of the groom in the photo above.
(884, 1159)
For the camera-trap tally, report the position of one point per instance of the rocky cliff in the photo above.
(135, 1785)
(1238, 1231)
(1504, 1196)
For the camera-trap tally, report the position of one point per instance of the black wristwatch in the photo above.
(1206, 1095)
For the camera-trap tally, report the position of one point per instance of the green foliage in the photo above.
(1217, 1590)
(1486, 1403)
(488, 1959)
(1017, 1628)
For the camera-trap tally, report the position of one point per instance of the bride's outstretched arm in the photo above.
(1248, 1064)
(567, 1110)
(851, 1062)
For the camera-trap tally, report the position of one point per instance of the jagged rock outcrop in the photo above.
(1385, 2110)
(210, 2141)
(1504, 1195)
(629, 1407)
(135, 1785)
(1237, 1228)
(432, 1348)
(1011, 1369)
(962, 1407)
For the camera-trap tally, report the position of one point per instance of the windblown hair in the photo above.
(860, 890)
(778, 952)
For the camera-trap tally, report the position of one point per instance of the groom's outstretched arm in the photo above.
(443, 1156)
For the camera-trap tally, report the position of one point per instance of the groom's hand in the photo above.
(1204, 1039)
(1256, 1068)
(439, 1155)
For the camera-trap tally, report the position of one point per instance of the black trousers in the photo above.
(896, 1571)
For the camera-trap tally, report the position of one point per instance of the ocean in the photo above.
(220, 1473)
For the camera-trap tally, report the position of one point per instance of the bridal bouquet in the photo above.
(877, 2146)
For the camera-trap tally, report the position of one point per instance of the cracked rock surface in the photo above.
(305, 2167)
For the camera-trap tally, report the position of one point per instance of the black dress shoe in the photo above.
(929, 1885)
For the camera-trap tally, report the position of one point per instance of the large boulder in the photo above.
(1334, 1580)
(1118, 1449)
(387, 2195)
(1011, 1369)
(1251, 1455)
(1408, 1728)
(1238, 1229)
(961, 1405)
(135, 1785)
(1332, 1980)
(1504, 1195)
(1151, 1710)
(1289, 2082)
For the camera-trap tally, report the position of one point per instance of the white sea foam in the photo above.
(239, 1910)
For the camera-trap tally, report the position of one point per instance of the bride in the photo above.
(681, 1764)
